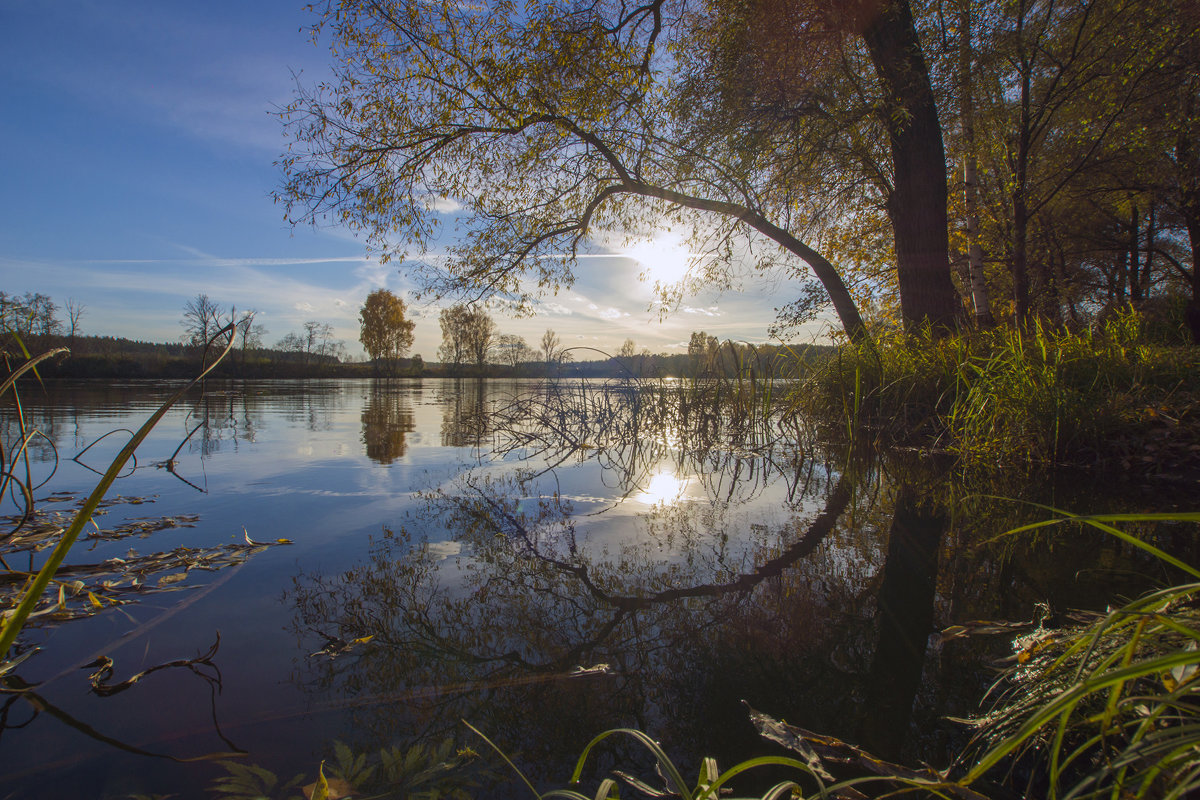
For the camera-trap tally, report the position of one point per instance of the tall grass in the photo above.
(1108, 706)
(1012, 397)
(13, 620)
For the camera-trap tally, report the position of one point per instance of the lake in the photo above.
(542, 560)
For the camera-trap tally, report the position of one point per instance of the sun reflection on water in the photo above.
(664, 488)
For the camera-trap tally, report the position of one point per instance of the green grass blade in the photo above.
(514, 767)
(1070, 698)
(13, 624)
(668, 767)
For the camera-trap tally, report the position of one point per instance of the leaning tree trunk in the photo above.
(917, 205)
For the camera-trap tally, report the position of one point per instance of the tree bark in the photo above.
(981, 304)
(917, 204)
(1192, 312)
(1020, 243)
(1135, 261)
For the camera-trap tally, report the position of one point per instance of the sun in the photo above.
(664, 259)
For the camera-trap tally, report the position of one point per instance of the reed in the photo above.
(710, 785)
(1108, 705)
(14, 619)
(1012, 398)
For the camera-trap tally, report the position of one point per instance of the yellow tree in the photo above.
(386, 333)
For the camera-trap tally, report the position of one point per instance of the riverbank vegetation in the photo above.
(1112, 396)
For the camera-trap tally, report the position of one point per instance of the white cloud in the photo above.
(711, 311)
(443, 205)
(340, 303)
(308, 308)
(613, 313)
(552, 310)
(374, 274)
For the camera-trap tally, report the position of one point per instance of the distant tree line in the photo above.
(472, 346)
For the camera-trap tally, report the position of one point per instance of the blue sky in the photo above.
(138, 148)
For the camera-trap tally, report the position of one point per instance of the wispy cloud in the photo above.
(551, 310)
(216, 261)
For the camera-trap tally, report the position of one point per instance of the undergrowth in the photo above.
(1008, 398)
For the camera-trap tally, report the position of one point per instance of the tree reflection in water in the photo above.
(387, 419)
(485, 604)
(633, 430)
(706, 606)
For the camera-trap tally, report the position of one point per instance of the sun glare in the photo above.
(663, 489)
(663, 259)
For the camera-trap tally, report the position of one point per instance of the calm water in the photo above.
(493, 540)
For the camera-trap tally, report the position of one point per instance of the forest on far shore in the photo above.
(108, 357)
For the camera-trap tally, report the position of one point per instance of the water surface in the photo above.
(544, 561)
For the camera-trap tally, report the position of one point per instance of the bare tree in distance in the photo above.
(201, 320)
(513, 351)
(315, 339)
(480, 336)
(75, 311)
(551, 347)
(251, 333)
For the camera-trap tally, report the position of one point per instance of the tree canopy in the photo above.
(802, 137)
(549, 122)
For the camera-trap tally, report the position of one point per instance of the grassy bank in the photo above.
(1110, 397)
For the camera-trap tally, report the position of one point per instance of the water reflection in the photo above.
(663, 488)
(466, 421)
(822, 612)
(544, 624)
(634, 432)
(498, 633)
(387, 419)
(905, 609)
(703, 558)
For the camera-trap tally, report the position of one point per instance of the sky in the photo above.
(138, 147)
